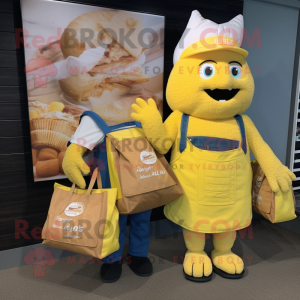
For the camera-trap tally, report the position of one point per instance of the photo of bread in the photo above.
(34, 153)
(107, 87)
(47, 153)
(60, 159)
(117, 52)
(51, 126)
(47, 168)
(93, 59)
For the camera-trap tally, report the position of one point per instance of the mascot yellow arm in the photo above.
(73, 164)
(278, 175)
(161, 135)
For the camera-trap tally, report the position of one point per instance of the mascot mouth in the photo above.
(222, 95)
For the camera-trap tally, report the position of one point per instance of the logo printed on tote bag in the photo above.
(257, 184)
(74, 209)
(258, 181)
(256, 197)
(148, 157)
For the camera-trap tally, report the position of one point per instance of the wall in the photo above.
(272, 66)
(273, 106)
(20, 197)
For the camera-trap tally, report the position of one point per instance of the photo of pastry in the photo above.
(85, 58)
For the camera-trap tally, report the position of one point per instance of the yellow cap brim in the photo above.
(214, 44)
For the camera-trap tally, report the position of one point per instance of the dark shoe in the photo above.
(110, 273)
(198, 279)
(141, 266)
(226, 275)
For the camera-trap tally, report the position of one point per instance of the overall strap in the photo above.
(125, 125)
(138, 124)
(183, 132)
(240, 122)
(100, 161)
(99, 121)
(107, 129)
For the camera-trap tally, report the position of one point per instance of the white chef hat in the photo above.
(202, 35)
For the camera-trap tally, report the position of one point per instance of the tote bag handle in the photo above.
(95, 175)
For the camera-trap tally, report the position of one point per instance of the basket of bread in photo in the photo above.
(51, 127)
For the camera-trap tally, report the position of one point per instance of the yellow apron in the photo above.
(216, 177)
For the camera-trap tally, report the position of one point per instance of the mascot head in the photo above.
(210, 78)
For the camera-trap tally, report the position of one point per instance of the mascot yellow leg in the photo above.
(226, 263)
(197, 265)
(73, 165)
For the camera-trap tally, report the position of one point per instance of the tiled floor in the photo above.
(271, 256)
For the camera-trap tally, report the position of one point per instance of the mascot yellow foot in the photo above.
(73, 165)
(197, 265)
(226, 263)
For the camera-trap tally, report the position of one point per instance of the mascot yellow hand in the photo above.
(279, 176)
(150, 118)
(147, 114)
(73, 165)
(160, 135)
(282, 178)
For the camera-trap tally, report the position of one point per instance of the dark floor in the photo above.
(271, 255)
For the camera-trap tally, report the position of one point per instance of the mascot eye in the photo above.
(236, 71)
(206, 71)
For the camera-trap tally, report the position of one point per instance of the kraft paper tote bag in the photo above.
(143, 177)
(83, 221)
(275, 207)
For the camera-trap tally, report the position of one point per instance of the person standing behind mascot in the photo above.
(209, 87)
(139, 223)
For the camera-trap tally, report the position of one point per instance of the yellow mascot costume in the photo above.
(209, 87)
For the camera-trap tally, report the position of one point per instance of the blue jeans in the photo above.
(139, 236)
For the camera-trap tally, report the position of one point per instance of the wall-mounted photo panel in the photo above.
(81, 57)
